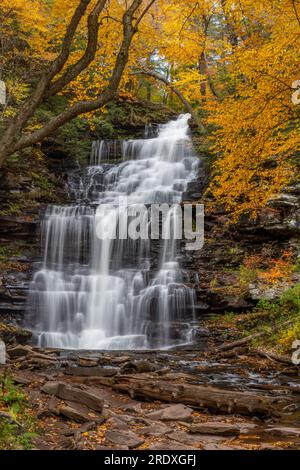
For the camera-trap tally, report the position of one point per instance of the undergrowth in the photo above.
(17, 425)
(279, 320)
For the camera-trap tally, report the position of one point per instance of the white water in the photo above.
(93, 294)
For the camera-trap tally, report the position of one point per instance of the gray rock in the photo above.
(216, 429)
(124, 438)
(173, 413)
(116, 423)
(170, 445)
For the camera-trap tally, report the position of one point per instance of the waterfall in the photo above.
(115, 294)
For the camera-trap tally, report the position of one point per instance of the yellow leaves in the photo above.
(257, 125)
(17, 90)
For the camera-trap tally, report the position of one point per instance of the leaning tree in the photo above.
(61, 72)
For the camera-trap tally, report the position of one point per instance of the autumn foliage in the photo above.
(232, 61)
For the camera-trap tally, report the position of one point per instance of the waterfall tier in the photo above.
(106, 294)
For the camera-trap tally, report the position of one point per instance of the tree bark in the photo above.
(199, 396)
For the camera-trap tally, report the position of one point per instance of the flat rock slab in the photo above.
(91, 371)
(196, 440)
(115, 423)
(81, 395)
(155, 430)
(173, 413)
(283, 431)
(79, 413)
(133, 408)
(124, 438)
(216, 429)
(170, 445)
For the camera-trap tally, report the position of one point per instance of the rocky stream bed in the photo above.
(217, 394)
(204, 397)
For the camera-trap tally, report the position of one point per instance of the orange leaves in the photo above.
(280, 269)
(270, 271)
(257, 125)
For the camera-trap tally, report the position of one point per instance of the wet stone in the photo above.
(217, 429)
(124, 438)
(173, 413)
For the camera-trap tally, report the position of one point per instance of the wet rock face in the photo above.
(26, 188)
(214, 272)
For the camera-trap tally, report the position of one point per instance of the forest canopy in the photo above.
(232, 64)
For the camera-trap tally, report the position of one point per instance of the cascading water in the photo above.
(107, 294)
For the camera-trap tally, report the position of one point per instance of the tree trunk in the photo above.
(199, 396)
(202, 71)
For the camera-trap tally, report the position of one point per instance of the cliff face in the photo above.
(225, 272)
(26, 189)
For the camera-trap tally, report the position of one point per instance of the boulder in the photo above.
(13, 335)
(19, 351)
(155, 430)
